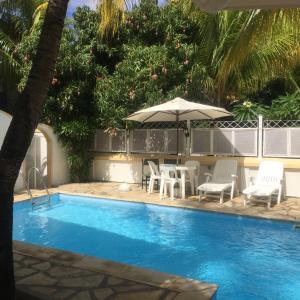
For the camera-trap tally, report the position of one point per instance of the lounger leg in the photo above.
(245, 199)
(269, 201)
(200, 196)
(232, 191)
(279, 195)
(222, 197)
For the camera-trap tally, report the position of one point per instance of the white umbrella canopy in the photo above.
(215, 5)
(178, 110)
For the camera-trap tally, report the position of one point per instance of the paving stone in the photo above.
(146, 295)
(114, 280)
(63, 294)
(30, 261)
(102, 294)
(24, 272)
(44, 290)
(82, 282)
(82, 296)
(132, 287)
(18, 257)
(17, 265)
(37, 279)
(62, 271)
(170, 296)
(42, 266)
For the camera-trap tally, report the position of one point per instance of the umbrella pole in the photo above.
(177, 136)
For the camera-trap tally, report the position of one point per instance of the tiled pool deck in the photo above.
(289, 209)
(54, 274)
(51, 274)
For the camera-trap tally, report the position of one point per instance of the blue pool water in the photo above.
(248, 258)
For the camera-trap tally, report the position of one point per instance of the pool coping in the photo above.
(174, 205)
(186, 289)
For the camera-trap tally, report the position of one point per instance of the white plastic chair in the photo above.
(169, 178)
(267, 184)
(155, 175)
(222, 181)
(193, 176)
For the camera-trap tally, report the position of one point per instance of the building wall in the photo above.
(51, 149)
(128, 168)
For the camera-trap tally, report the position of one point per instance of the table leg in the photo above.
(182, 175)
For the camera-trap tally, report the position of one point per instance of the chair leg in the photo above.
(245, 199)
(196, 183)
(161, 189)
(172, 187)
(192, 186)
(151, 183)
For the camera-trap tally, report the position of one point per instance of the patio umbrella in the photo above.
(215, 5)
(178, 110)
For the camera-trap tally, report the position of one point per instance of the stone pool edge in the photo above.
(283, 218)
(185, 288)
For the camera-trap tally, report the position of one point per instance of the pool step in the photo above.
(40, 202)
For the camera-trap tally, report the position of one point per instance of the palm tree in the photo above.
(16, 18)
(240, 51)
(18, 137)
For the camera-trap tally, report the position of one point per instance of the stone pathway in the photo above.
(54, 274)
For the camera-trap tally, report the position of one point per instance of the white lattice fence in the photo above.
(238, 142)
(224, 138)
(269, 138)
(281, 142)
(157, 141)
(106, 142)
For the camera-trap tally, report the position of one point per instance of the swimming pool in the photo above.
(248, 258)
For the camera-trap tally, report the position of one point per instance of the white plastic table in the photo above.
(183, 169)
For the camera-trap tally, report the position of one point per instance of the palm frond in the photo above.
(112, 15)
(258, 28)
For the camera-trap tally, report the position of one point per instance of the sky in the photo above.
(75, 3)
(91, 3)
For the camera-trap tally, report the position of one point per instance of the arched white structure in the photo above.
(57, 169)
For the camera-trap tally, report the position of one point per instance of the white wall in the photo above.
(60, 171)
(119, 171)
(131, 171)
(58, 163)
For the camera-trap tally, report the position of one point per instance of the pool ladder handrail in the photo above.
(44, 185)
(26, 185)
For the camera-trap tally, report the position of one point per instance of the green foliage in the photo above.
(158, 53)
(286, 107)
(18, 19)
(248, 111)
(76, 135)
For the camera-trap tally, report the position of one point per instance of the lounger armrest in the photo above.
(208, 176)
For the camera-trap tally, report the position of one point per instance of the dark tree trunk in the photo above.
(20, 132)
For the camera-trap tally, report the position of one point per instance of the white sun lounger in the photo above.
(267, 184)
(223, 180)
